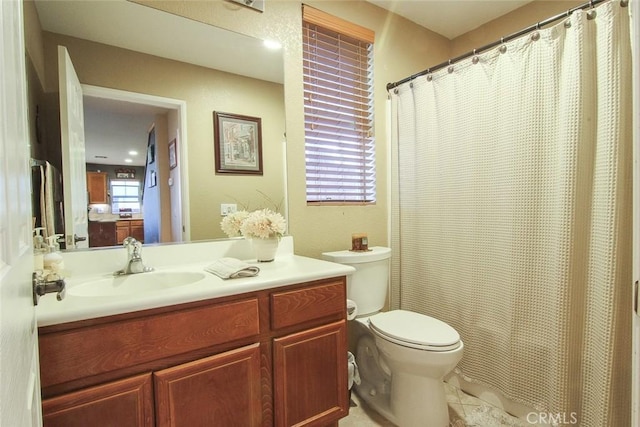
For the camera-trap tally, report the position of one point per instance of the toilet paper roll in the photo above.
(352, 309)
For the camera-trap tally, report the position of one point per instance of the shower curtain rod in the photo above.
(512, 36)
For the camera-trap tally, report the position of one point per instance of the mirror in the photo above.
(147, 71)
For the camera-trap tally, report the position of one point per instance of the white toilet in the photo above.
(402, 356)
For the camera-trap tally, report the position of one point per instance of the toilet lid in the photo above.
(415, 330)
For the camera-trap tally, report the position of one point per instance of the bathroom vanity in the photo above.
(261, 351)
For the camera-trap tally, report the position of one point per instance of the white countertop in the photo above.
(286, 269)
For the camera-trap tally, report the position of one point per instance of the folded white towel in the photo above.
(231, 268)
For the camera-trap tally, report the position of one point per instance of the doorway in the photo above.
(117, 126)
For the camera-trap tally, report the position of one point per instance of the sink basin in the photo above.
(135, 284)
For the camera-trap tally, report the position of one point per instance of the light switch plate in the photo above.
(228, 208)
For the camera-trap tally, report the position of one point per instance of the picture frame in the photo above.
(173, 154)
(153, 180)
(237, 144)
(151, 153)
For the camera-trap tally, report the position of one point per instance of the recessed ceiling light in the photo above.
(128, 161)
(133, 153)
(272, 44)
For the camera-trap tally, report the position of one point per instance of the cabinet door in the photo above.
(310, 376)
(102, 234)
(136, 229)
(221, 390)
(97, 187)
(122, 231)
(127, 402)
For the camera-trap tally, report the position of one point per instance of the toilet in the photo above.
(402, 356)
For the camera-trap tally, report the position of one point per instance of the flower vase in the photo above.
(265, 249)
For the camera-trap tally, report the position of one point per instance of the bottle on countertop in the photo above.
(53, 261)
(39, 249)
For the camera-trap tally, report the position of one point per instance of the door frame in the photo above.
(635, 60)
(162, 102)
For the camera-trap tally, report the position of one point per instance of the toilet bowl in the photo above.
(402, 356)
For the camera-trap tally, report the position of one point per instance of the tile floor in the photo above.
(464, 411)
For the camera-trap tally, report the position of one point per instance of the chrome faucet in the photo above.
(134, 258)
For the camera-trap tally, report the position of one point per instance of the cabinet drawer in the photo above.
(296, 306)
(83, 352)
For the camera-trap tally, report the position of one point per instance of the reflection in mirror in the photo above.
(151, 80)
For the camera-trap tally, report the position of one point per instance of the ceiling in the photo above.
(450, 18)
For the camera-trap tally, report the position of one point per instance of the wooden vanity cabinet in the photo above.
(275, 357)
(97, 187)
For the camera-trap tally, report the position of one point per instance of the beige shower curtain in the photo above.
(511, 215)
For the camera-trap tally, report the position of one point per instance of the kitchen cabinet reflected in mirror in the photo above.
(153, 79)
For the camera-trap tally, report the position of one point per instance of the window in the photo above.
(338, 110)
(125, 194)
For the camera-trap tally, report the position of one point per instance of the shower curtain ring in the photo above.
(450, 69)
(503, 47)
(567, 22)
(475, 59)
(535, 36)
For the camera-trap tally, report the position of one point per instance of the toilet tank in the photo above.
(368, 286)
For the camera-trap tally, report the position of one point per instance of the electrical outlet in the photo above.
(228, 208)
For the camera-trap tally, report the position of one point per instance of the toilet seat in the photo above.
(415, 330)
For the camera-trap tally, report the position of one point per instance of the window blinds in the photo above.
(338, 91)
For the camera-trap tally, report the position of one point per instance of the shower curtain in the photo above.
(511, 213)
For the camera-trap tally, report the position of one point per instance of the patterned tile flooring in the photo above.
(464, 411)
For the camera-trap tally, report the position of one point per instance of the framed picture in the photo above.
(173, 155)
(153, 180)
(238, 144)
(151, 153)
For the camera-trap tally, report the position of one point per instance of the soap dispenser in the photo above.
(52, 260)
(39, 249)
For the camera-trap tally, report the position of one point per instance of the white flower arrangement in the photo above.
(231, 223)
(260, 224)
